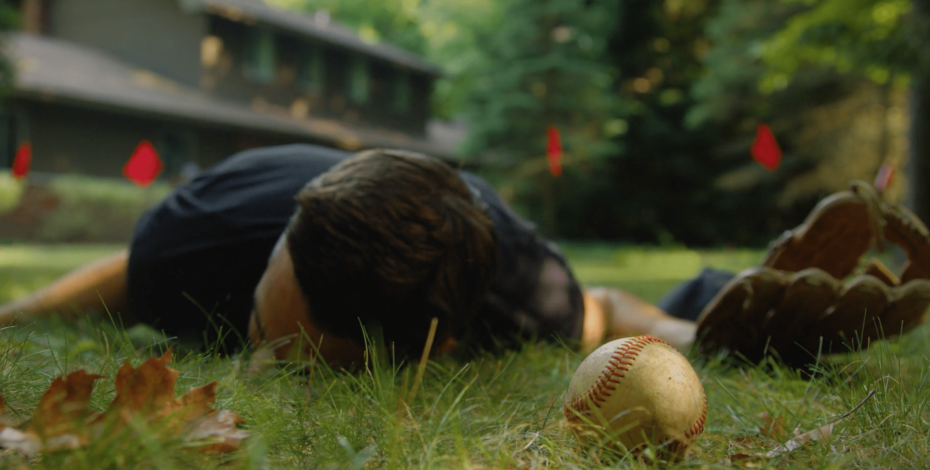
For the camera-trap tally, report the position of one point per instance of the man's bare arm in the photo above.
(612, 313)
(92, 286)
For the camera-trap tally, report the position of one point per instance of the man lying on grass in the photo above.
(300, 244)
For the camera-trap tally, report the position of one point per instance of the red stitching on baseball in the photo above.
(624, 356)
(698, 426)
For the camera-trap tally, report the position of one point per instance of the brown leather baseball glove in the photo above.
(807, 297)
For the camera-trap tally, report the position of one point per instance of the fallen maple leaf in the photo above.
(59, 418)
(219, 428)
(146, 389)
(64, 406)
(62, 419)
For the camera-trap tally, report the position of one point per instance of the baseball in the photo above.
(637, 390)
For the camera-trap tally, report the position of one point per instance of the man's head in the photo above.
(389, 240)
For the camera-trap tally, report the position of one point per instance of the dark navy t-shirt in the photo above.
(197, 256)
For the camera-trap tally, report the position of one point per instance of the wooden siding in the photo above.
(154, 34)
(228, 79)
(67, 139)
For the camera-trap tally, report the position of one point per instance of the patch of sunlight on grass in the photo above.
(650, 272)
(25, 268)
(63, 257)
(486, 411)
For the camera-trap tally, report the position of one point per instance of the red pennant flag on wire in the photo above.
(554, 151)
(765, 149)
(144, 165)
(22, 161)
(883, 178)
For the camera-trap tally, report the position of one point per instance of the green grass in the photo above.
(650, 272)
(24, 268)
(490, 412)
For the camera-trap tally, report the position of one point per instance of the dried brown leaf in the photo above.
(3, 419)
(773, 428)
(148, 389)
(17, 440)
(745, 449)
(821, 434)
(64, 407)
(149, 392)
(63, 420)
(218, 430)
(11, 438)
(741, 458)
(192, 405)
(747, 441)
(59, 420)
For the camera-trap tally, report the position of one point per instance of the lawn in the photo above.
(488, 412)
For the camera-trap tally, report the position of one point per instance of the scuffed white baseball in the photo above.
(639, 390)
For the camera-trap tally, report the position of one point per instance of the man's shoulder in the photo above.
(507, 223)
(292, 154)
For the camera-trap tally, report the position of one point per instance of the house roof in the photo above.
(53, 70)
(318, 26)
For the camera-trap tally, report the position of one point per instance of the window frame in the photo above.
(257, 39)
(402, 100)
(311, 76)
(359, 78)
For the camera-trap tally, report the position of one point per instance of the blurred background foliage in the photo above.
(69, 208)
(11, 192)
(95, 209)
(658, 102)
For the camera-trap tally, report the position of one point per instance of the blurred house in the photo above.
(202, 79)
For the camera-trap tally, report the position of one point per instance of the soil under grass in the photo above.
(500, 411)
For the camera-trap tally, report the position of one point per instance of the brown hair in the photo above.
(392, 239)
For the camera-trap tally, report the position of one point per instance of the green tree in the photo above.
(658, 187)
(392, 21)
(543, 67)
(730, 102)
(884, 40)
(834, 125)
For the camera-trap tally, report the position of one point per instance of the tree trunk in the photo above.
(919, 149)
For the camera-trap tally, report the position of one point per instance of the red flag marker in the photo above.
(22, 160)
(554, 151)
(144, 165)
(883, 178)
(765, 148)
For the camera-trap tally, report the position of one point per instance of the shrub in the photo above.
(11, 191)
(96, 209)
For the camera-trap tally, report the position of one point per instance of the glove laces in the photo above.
(873, 206)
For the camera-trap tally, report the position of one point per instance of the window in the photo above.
(311, 73)
(401, 91)
(358, 80)
(260, 55)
